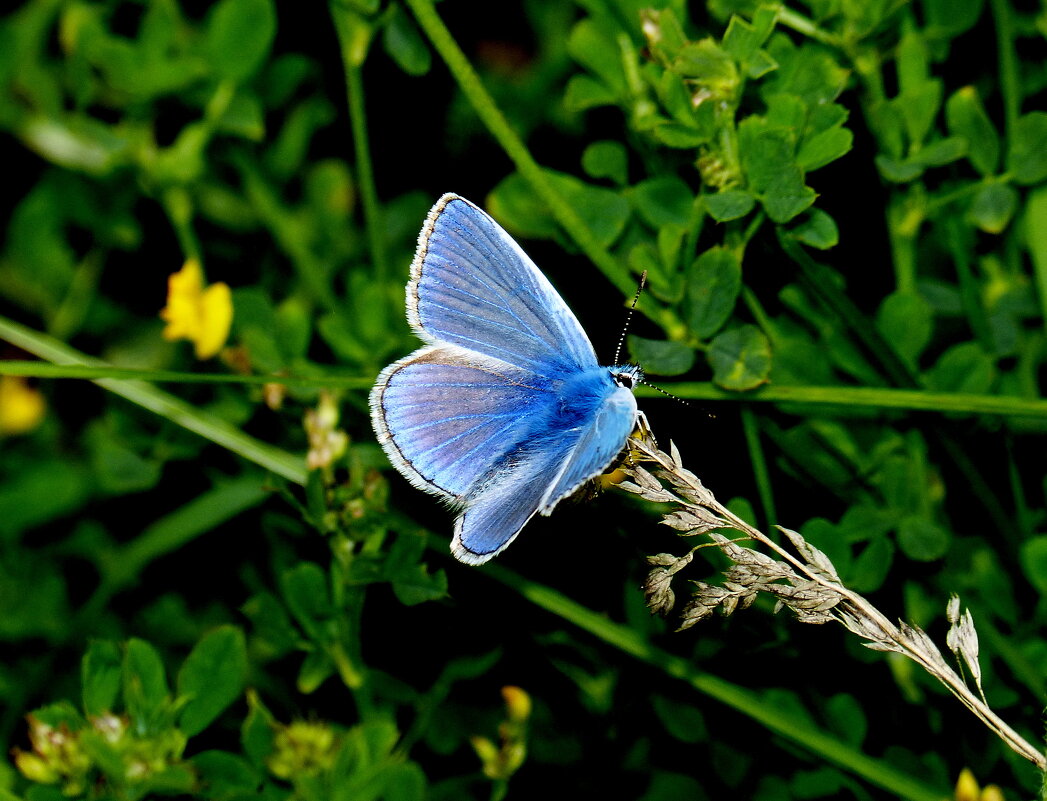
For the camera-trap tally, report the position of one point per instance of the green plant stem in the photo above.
(354, 52)
(868, 397)
(287, 231)
(825, 745)
(76, 302)
(1010, 78)
(93, 371)
(902, 231)
(801, 24)
(122, 566)
(492, 117)
(167, 406)
(970, 291)
(750, 427)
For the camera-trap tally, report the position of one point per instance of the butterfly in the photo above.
(505, 411)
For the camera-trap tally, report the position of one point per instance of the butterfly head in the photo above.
(627, 375)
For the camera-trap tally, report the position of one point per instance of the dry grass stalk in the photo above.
(806, 583)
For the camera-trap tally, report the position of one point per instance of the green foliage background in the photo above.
(842, 210)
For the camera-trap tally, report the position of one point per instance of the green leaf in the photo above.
(585, 92)
(243, 117)
(714, 280)
(212, 677)
(514, 202)
(223, 774)
(405, 45)
(118, 469)
(40, 492)
(100, 671)
(606, 159)
(257, 731)
(667, 785)
(896, 170)
(661, 357)
(238, 36)
(827, 538)
(1034, 561)
(145, 688)
(678, 135)
(941, 152)
(810, 73)
(412, 582)
(663, 201)
(316, 668)
(920, 97)
(768, 157)
(729, 204)
(966, 118)
(824, 147)
(707, 62)
(846, 717)
(949, 18)
(1027, 159)
(740, 358)
(305, 593)
(872, 565)
(906, 320)
(683, 721)
(922, 539)
(270, 623)
(593, 48)
(993, 207)
(963, 368)
(404, 781)
(817, 229)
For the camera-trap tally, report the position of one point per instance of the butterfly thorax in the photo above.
(579, 395)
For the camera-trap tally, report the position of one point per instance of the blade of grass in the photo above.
(168, 406)
(751, 428)
(487, 110)
(353, 48)
(48, 370)
(826, 745)
(868, 397)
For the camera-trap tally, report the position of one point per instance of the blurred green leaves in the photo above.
(691, 145)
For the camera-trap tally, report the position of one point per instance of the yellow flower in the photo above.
(201, 315)
(21, 406)
(967, 789)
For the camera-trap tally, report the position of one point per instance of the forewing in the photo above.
(446, 417)
(472, 286)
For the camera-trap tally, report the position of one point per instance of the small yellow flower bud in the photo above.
(490, 756)
(517, 703)
(967, 788)
(992, 793)
(36, 768)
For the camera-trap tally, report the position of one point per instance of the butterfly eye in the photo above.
(624, 380)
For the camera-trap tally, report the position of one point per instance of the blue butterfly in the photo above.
(505, 411)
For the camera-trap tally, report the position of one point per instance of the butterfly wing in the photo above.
(596, 447)
(472, 286)
(446, 416)
(540, 473)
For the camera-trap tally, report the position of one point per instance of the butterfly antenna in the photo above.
(645, 382)
(629, 315)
